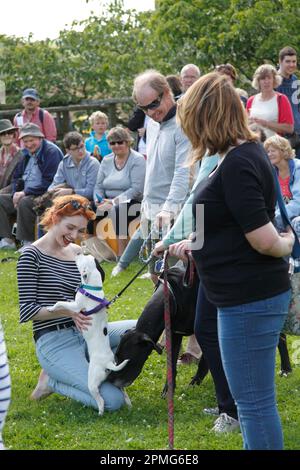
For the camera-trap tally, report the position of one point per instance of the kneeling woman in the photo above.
(47, 273)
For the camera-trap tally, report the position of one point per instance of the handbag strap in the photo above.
(285, 218)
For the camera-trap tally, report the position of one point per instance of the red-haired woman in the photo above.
(47, 273)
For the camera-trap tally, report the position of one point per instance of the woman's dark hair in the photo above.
(175, 84)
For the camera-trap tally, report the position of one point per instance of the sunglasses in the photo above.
(115, 142)
(76, 205)
(153, 105)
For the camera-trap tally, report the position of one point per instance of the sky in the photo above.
(45, 18)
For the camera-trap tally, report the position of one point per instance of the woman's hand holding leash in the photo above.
(180, 249)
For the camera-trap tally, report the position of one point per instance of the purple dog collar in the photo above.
(102, 302)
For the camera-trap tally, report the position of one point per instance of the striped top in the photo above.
(4, 384)
(44, 280)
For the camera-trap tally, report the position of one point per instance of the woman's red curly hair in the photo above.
(62, 207)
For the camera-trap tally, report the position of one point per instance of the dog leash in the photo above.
(167, 318)
(117, 296)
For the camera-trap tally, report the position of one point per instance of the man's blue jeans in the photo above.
(248, 337)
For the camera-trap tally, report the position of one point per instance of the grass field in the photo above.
(60, 423)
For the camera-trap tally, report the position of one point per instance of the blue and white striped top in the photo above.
(5, 385)
(44, 280)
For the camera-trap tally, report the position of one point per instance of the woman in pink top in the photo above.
(270, 109)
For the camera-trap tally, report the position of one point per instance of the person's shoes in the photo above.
(7, 244)
(25, 244)
(117, 270)
(211, 411)
(225, 424)
(186, 359)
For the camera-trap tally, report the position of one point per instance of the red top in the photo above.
(285, 113)
(285, 188)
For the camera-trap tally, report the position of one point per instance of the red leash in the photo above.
(167, 317)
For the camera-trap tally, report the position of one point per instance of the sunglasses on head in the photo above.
(115, 142)
(153, 105)
(76, 205)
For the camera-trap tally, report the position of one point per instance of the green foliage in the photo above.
(99, 57)
(61, 423)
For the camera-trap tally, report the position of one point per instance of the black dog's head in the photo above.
(135, 346)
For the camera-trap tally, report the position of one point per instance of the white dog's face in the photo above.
(88, 270)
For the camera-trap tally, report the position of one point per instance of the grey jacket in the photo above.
(167, 177)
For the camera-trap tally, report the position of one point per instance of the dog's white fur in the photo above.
(96, 337)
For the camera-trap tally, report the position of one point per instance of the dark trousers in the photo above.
(25, 215)
(206, 332)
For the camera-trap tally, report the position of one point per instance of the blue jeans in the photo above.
(63, 356)
(132, 249)
(248, 337)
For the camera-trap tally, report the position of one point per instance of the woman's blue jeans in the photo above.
(248, 337)
(63, 356)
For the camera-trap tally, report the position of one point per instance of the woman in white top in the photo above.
(270, 109)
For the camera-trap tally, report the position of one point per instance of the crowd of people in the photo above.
(201, 142)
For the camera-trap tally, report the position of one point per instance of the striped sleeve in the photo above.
(5, 385)
(27, 271)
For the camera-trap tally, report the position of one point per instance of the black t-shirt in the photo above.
(238, 197)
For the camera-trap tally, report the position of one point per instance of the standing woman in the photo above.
(270, 109)
(47, 273)
(241, 262)
(10, 154)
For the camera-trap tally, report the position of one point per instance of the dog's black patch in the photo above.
(105, 331)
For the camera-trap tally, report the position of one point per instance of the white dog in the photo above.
(96, 337)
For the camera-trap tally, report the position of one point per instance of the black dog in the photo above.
(138, 343)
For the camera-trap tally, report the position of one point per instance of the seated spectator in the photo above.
(270, 109)
(32, 113)
(78, 169)
(97, 144)
(120, 184)
(10, 154)
(282, 156)
(32, 177)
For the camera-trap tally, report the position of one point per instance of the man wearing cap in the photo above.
(34, 114)
(32, 177)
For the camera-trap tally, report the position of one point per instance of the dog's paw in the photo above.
(51, 308)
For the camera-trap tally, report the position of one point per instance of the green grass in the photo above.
(60, 423)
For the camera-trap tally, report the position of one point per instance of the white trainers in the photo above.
(117, 270)
(7, 243)
(225, 423)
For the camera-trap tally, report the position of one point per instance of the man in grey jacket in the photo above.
(167, 176)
